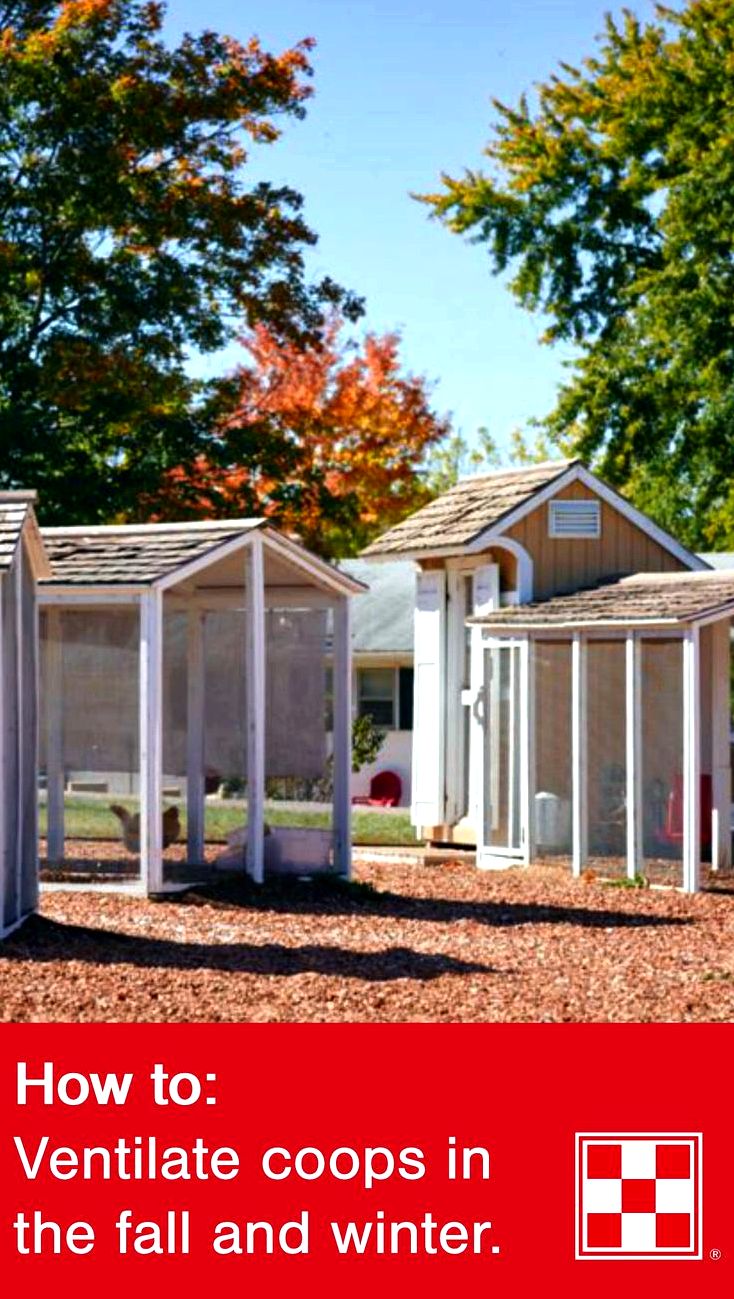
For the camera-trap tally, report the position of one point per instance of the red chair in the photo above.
(386, 789)
(673, 832)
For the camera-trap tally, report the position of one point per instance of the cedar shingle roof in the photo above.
(466, 510)
(677, 598)
(133, 554)
(16, 515)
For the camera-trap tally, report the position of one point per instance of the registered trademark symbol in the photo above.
(715, 1253)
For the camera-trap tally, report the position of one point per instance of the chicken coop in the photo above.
(607, 727)
(195, 704)
(22, 563)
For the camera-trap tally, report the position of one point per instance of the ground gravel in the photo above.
(447, 943)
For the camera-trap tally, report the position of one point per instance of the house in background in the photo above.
(547, 721)
(382, 656)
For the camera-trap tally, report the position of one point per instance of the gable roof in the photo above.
(133, 554)
(17, 516)
(477, 512)
(467, 510)
(382, 621)
(644, 599)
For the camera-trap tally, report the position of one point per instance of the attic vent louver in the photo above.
(574, 519)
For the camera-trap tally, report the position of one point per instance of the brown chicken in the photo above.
(130, 822)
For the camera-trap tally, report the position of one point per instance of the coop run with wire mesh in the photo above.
(195, 704)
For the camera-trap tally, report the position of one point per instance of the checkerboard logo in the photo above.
(638, 1195)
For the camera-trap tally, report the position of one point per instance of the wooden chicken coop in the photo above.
(22, 563)
(189, 672)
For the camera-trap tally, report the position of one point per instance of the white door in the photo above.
(504, 755)
(428, 794)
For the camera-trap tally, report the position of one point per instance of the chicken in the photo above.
(130, 822)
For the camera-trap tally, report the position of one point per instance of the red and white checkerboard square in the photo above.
(638, 1195)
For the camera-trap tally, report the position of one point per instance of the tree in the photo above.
(456, 457)
(129, 239)
(327, 440)
(611, 203)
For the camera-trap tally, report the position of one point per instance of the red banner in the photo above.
(281, 1159)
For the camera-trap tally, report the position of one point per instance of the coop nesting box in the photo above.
(22, 562)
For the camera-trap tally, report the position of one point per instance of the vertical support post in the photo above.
(578, 753)
(151, 741)
(255, 684)
(20, 733)
(527, 758)
(691, 762)
(4, 845)
(54, 674)
(633, 724)
(195, 783)
(342, 810)
(721, 745)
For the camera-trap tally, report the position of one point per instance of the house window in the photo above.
(581, 519)
(376, 696)
(386, 695)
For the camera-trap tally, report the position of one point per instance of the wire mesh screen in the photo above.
(662, 760)
(29, 734)
(502, 790)
(606, 757)
(90, 692)
(9, 650)
(553, 749)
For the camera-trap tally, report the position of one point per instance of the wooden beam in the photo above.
(19, 685)
(195, 712)
(342, 811)
(151, 741)
(527, 755)
(720, 745)
(691, 762)
(578, 753)
(54, 694)
(633, 727)
(255, 685)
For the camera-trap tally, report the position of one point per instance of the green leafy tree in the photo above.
(609, 201)
(455, 457)
(129, 238)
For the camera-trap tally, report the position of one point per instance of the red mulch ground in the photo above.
(404, 943)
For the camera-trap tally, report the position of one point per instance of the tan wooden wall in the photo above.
(562, 565)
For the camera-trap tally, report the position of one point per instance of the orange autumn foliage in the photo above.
(328, 441)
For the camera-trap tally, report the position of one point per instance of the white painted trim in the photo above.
(54, 674)
(527, 752)
(579, 809)
(20, 845)
(195, 714)
(151, 529)
(213, 555)
(325, 575)
(90, 596)
(455, 777)
(579, 473)
(342, 810)
(231, 597)
(691, 763)
(256, 703)
(36, 745)
(633, 744)
(4, 846)
(151, 742)
(516, 627)
(524, 561)
(720, 747)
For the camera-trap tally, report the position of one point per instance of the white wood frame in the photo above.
(579, 805)
(691, 762)
(54, 676)
(4, 863)
(527, 754)
(721, 747)
(20, 774)
(151, 741)
(633, 752)
(494, 856)
(342, 809)
(195, 706)
(255, 687)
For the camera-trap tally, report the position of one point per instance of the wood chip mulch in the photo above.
(401, 943)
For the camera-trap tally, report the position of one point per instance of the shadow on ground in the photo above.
(334, 897)
(46, 941)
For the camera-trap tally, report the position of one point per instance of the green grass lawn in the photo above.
(90, 818)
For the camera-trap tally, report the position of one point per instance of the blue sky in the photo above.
(402, 92)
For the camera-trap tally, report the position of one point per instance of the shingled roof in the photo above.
(643, 599)
(133, 554)
(17, 513)
(466, 511)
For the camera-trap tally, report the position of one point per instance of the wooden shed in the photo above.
(22, 563)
